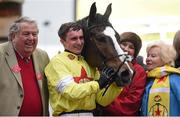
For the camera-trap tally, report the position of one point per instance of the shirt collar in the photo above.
(22, 57)
(73, 56)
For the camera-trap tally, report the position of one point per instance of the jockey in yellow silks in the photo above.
(69, 87)
(162, 93)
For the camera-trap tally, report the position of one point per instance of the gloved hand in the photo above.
(105, 76)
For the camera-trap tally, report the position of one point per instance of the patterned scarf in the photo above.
(159, 95)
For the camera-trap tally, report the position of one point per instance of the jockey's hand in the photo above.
(105, 77)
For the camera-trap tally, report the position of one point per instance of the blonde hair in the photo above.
(167, 52)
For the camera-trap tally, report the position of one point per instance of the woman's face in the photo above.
(128, 47)
(153, 59)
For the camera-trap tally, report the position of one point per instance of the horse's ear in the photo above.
(92, 12)
(108, 11)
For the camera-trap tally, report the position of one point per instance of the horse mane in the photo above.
(88, 42)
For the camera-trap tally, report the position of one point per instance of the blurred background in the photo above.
(150, 19)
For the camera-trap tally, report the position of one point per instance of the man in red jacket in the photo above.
(129, 101)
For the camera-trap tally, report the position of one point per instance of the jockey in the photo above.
(74, 86)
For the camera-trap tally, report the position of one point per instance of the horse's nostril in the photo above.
(125, 73)
(124, 78)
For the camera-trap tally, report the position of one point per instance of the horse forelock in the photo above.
(98, 20)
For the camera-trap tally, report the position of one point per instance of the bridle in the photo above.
(124, 57)
(115, 73)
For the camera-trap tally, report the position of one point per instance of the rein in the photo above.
(114, 74)
(125, 59)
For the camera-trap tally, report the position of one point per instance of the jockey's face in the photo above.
(74, 41)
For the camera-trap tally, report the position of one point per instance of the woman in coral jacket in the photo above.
(129, 101)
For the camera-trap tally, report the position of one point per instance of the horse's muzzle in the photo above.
(123, 78)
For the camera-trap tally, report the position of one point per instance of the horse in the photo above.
(101, 47)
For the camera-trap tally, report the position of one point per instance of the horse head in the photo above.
(101, 45)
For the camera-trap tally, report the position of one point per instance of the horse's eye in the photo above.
(97, 30)
(101, 38)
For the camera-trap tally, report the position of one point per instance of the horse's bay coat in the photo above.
(101, 46)
(11, 88)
